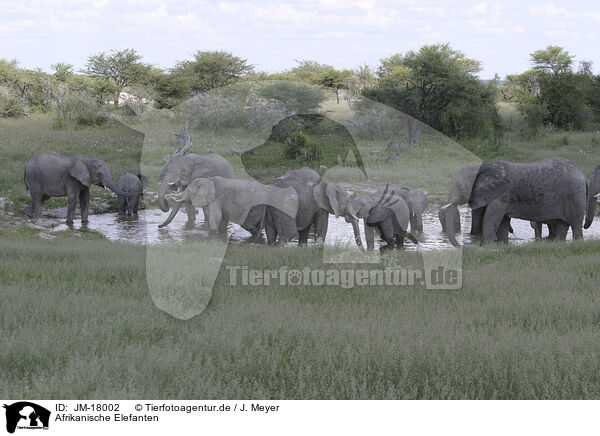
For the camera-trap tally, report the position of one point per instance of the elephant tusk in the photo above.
(446, 206)
(354, 217)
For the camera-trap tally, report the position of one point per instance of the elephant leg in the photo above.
(321, 224)
(222, 228)
(84, 204)
(537, 228)
(416, 222)
(271, 234)
(213, 216)
(492, 218)
(71, 207)
(503, 230)
(303, 236)
(369, 236)
(477, 221)
(400, 240)
(559, 230)
(121, 202)
(36, 205)
(577, 230)
(190, 210)
(136, 205)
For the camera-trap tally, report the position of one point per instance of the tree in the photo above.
(552, 59)
(438, 86)
(294, 97)
(62, 71)
(309, 71)
(212, 69)
(170, 90)
(335, 80)
(123, 68)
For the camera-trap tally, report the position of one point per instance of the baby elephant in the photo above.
(391, 217)
(134, 184)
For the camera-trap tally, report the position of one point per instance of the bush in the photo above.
(294, 97)
(81, 107)
(10, 104)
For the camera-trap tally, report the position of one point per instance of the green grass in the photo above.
(77, 321)
(78, 317)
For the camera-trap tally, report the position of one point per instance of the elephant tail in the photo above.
(25, 179)
(591, 205)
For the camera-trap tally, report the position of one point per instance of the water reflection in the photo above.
(144, 230)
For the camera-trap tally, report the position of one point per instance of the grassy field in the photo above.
(77, 319)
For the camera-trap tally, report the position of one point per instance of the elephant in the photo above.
(316, 200)
(242, 201)
(180, 171)
(131, 183)
(390, 215)
(51, 174)
(447, 220)
(552, 190)
(592, 197)
(416, 200)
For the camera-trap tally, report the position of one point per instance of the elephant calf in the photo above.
(390, 215)
(134, 184)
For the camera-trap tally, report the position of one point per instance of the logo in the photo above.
(26, 415)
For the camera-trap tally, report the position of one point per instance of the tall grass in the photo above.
(77, 321)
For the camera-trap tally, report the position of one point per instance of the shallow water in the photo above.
(144, 230)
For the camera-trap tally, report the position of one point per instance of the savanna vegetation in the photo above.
(76, 316)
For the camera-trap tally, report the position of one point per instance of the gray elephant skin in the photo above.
(51, 174)
(317, 198)
(416, 200)
(390, 216)
(242, 201)
(592, 197)
(133, 184)
(552, 191)
(180, 171)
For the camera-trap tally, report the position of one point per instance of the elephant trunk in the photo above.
(593, 191)
(356, 230)
(114, 188)
(162, 201)
(172, 215)
(449, 223)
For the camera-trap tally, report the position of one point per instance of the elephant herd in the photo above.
(553, 191)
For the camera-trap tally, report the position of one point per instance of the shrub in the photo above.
(10, 104)
(81, 107)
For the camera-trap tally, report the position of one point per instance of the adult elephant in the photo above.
(416, 200)
(51, 174)
(180, 171)
(317, 198)
(550, 190)
(593, 197)
(242, 201)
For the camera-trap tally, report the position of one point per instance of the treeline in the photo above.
(435, 84)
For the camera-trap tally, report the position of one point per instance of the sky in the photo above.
(272, 35)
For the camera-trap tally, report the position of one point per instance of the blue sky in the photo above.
(271, 35)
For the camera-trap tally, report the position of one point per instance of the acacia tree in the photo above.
(335, 80)
(438, 86)
(212, 69)
(122, 68)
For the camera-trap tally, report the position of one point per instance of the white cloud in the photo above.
(548, 10)
(429, 10)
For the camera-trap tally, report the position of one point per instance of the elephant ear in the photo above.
(201, 192)
(321, 197)
(79, 171)
(143, 180)
(491, 182)
(377, 215)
